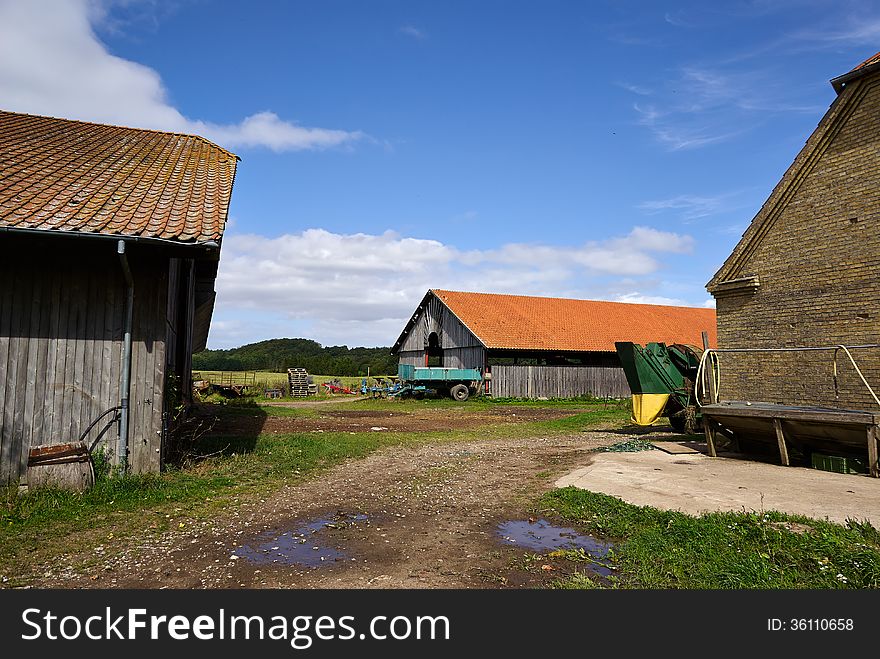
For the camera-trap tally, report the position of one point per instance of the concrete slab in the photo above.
(679, 448)
(695, 484)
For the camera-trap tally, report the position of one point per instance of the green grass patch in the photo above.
(667, 549)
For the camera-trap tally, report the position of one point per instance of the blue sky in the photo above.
(605, 150)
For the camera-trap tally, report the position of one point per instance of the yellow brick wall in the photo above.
(819, 271)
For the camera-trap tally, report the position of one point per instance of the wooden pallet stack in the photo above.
(298, 379)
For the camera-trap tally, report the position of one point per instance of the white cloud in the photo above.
(359, 289)
(676, 20)
(709, 304)
(696, 107)
(635, 89)
(677, 134)
(638, 298)
(855, 29)
(467, 216)
(412, 31)
(52, 63)
(690, 207)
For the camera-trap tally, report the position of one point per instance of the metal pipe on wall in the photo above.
(125, 385)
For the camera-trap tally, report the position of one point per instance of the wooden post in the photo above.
(873, 467)
(780, 439)
(709, 428)
(709, 373)
(710, 379)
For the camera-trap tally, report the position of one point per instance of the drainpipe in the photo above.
(125, 387)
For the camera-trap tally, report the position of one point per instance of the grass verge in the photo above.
(658, 549)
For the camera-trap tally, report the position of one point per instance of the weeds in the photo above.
(724, 550)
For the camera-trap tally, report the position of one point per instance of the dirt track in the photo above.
(361, 420)
(432, 514)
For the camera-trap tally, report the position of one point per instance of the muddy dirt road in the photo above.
(419, 517)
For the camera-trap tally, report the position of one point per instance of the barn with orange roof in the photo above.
(536, 347)
(109, 245)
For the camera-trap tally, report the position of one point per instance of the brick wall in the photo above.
(818, 265)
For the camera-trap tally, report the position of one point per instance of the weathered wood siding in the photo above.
(412, 357)
(558, 381)
(180, 321)
(471, 357)
(437, 318)
(61, 323)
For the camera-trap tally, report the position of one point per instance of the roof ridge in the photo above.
(569, 299)
(499, 321)
(106, 125)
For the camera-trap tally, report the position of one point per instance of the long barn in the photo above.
(109, 246)
(537, 347)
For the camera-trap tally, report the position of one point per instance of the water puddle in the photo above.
(542, 537)
(300, 546)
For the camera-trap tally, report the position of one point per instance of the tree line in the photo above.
(280, 354)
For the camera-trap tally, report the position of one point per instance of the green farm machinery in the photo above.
(661, 378)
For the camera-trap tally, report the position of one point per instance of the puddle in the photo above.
(300, 546)
(542, 537)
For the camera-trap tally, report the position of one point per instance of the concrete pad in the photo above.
(679, 448)
(694, 484)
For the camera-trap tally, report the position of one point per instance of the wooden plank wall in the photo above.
(412, 357)
(470, 357)
(558, 381)
(473, 357)
(436, 317)
(61, 320)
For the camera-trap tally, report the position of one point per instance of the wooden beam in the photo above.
(709, 428)
(790, 412)
(873, 467)
(780, 439)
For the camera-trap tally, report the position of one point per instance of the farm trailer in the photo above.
(458, 383)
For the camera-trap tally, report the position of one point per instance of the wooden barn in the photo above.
(109, 245)
(805, 278)
(537, 347)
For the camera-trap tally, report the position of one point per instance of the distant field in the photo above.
(269, 379)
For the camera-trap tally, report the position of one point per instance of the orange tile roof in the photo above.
(871, 60)
(546, 323)
(64, 175)
(869, 65)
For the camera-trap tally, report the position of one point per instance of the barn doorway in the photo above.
(434, 352)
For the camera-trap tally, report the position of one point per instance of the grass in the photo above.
(39, 525)
(264, 380)
(667, 549)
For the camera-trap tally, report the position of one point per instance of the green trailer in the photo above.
(458, 383)
(661, 379)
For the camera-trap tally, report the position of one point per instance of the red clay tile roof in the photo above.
(63, 175)
(546, 323)
(871, 60)
(870, 64)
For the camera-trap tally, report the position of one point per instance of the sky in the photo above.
(611, 150)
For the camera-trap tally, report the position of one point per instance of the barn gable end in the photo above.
(806, 271)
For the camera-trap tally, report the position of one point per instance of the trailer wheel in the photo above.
(460, 392)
